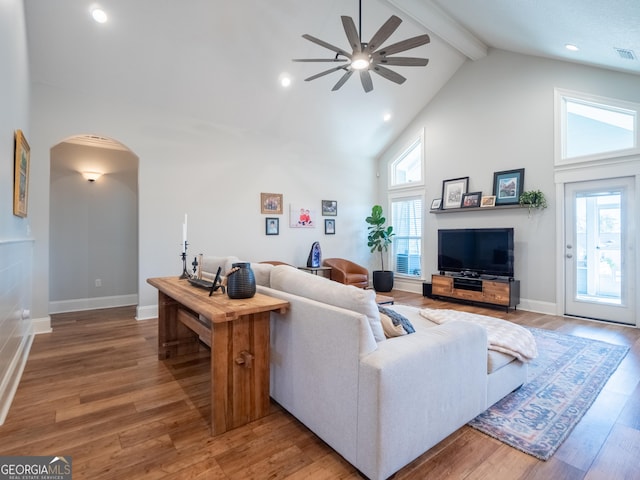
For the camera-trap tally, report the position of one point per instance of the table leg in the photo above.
(239, 371)
(174, 338)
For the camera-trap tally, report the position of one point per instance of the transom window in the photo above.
(592, 128)
(406, 170)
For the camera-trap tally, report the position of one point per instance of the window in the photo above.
(406, 215)
(406, 193)
(592, 128)
(406, 170)
(407, 244)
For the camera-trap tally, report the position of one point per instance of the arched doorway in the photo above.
(93, 230)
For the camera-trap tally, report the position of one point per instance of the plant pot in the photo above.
(383, 280)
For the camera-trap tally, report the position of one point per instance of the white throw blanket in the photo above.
(503, 336)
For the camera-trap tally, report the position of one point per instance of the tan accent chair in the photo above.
(275, 262)
(347, 272)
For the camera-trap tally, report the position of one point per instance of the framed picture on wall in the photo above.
(272, 225)
(470, 200)
(488, 201)
(271, 203)
(329, 208)
(435, 203)
(452, 192)
(329, 226)
(21, 175)
(507, 186)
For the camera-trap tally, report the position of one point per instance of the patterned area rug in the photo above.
(562, 383)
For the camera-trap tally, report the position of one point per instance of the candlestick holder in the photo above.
(185, 273)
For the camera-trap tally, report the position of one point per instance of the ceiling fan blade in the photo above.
(388, 74)
(326, 72)
(342, 80)
(319, 60)
(324, 44)
(352, 33)
(365, 78)
(401, 61)
(384, 32)
(407, 44)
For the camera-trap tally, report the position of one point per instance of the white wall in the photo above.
(16, 329)
(93, 229)
(497, 114)
(213, 174)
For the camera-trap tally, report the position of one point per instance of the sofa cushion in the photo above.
(210, 266)
(262, 273)
(320, 289)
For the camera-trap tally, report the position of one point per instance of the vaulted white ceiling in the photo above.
(219, 61)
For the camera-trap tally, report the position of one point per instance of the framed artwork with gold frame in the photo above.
(271, 203)
(21, 175)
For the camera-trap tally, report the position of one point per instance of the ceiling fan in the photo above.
(369, 57)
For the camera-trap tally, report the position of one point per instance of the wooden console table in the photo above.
(237, 332)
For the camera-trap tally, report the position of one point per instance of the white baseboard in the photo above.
(41, 325)
(10, 382)
(147, 312)
(80, 304)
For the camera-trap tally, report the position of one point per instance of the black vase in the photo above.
(241, 283)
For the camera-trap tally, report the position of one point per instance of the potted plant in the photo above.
(533, 199)
(379, 239)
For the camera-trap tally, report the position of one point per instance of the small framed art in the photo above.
(329, 208)
(435, 203)
(488, 201)
(272, 225)
(507, 186)
(452, 192)
(21, 175)
(329, 226)
(470, 200)
(271, 203)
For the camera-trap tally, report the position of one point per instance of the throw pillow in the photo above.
(391, 330)
(397, 319)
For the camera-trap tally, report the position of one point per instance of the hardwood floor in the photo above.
(95, 390)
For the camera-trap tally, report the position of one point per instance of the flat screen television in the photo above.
(476, 251)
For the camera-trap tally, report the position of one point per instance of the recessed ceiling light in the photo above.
(572, 47)
(99, 15)
(285, 80)
(386, 117)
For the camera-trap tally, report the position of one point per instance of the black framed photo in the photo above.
(452, 192)
(329, 226)
(329, 208)
(470, 200)
(508, 186)
(272, 226)
(435, 203)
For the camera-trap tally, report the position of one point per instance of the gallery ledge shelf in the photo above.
(475, 209)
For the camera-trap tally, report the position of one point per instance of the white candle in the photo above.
(184, 234)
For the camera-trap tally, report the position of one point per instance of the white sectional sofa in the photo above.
(380, 403)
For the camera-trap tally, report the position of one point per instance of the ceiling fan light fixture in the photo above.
(360, 61)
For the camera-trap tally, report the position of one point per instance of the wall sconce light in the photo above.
(91, 176)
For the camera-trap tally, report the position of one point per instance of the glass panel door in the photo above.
(598, 250)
